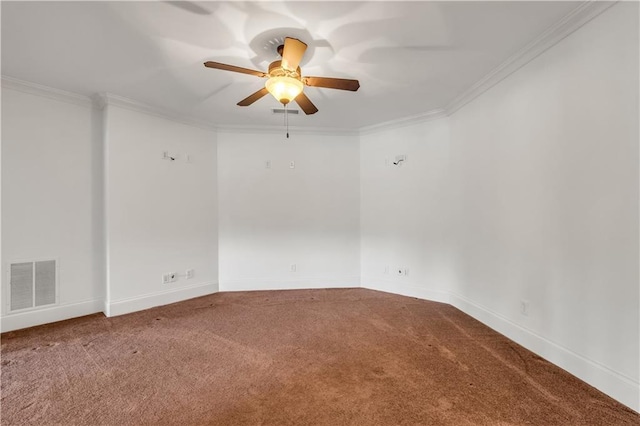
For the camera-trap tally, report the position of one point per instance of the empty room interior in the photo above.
(366, 213)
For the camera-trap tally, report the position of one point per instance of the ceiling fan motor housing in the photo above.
(276, 70)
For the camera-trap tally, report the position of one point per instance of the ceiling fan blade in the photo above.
(226, 67)
(292, 53)
(332, 83)
(307, 106)
(254, 97)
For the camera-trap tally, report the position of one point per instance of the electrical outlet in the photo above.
(402, 271)
(267, 164)
(292, 164)
(294, 267)
(386, 270)
(169, 278)
(189, 273)
(524, 307)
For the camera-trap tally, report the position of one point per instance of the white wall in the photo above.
(161, 215)
(404, 210)
(273, 218)
(528, 193)
(51, 200)
(545, 182)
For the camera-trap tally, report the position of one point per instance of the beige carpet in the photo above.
(325, 357)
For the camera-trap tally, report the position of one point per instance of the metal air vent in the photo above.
(281, 111)
(32, 284)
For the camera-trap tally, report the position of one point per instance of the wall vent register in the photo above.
(32, 284)
(282, 111)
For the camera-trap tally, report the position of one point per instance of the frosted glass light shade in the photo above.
(284, 89)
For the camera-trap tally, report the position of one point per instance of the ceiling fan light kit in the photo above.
(284, 89)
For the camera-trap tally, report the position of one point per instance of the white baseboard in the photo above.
(618, 386)
(291, 284)
(47, 315)
(146, 301)
(405, 289)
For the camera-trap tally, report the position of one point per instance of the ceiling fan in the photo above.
(285, 81)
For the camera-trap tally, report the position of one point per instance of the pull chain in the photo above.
(286, 118)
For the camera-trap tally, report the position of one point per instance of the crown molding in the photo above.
(404, 121)
(45, 91)
(240, 128)
(579, 16)
(101, 100)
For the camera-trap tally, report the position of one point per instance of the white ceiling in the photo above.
(410, 57)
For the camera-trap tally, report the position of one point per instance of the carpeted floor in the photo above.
(301, 357)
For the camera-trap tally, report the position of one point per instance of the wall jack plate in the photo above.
(167, 156)
(400, 159)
